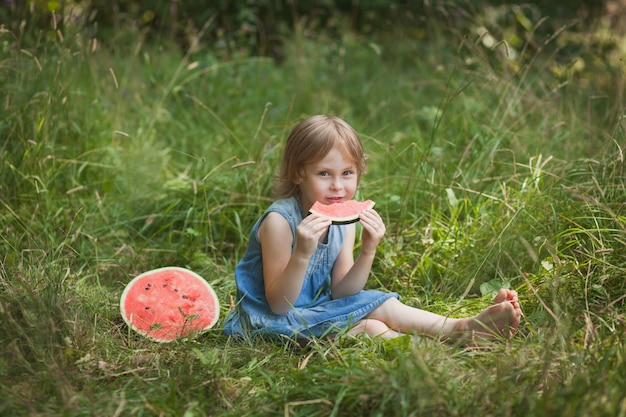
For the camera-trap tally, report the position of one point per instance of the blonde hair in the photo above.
(309, 142)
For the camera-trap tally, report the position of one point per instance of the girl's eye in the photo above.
(323, 173)
(346, 173)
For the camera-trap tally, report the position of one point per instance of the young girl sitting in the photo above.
(299, 277)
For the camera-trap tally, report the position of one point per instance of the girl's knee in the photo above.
(375, 327)
(384, 311)
(371, 327)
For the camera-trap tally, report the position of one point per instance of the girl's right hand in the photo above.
(309, 232)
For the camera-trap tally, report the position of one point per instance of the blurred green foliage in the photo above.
(256, 26)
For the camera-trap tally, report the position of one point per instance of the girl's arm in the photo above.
(283, 271)
(349, 277)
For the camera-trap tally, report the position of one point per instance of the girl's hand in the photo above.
(309, 232)
(373, 230)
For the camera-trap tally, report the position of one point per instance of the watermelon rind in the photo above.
(340, 222)
(353, 218)
(155, 331)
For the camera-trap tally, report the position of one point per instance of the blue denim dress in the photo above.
(314, 313)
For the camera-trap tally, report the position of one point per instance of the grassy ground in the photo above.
(490, 168)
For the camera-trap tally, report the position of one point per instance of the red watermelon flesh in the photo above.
(167, 303)
(342, 213)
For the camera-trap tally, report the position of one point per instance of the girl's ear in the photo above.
(299, 177)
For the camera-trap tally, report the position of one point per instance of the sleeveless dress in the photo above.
(315, 312)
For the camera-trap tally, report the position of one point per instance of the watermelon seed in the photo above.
(147, 308)
(185, 297)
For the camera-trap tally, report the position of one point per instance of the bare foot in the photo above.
(495, 322)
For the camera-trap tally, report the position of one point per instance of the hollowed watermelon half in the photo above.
(342, 213)
(168, 303)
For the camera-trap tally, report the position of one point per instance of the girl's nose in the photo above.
(336, 184)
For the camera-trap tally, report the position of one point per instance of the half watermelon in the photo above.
(168, 303)
(342, 213)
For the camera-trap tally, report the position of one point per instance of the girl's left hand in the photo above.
(373, 229)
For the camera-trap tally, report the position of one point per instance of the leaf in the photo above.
(452, 200)
(491, 288)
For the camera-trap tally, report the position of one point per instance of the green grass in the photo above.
(489, 171)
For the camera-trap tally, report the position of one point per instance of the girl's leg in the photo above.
(498, 320)
(373, 327)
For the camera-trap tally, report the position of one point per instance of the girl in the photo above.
(299, 277)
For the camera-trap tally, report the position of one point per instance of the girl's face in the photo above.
(333, 179)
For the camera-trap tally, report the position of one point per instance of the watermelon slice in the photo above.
(342, 213)
(167, 303)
